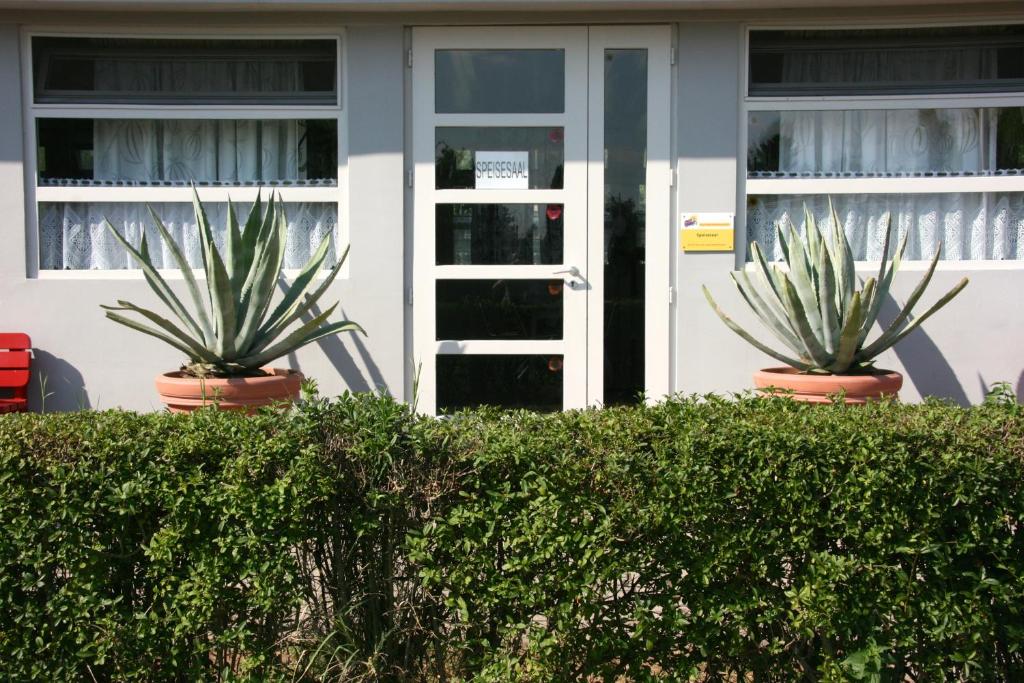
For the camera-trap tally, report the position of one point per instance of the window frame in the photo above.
(748, 187)
(31, 112)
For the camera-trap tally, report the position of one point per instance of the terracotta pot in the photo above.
(183, 394)
(818, 388)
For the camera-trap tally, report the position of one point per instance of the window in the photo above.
(923, 127)
(122, 124)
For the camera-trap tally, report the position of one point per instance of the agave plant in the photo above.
(229, 332)
(814, 307)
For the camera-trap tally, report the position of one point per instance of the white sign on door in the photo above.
(502, 170)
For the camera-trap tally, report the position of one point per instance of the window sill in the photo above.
(870, 268)
(183, 194)
(169, 275)
(885, 185)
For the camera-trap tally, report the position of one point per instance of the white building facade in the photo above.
(514, 180)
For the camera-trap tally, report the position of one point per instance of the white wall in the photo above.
(977, 340)
(89, 361)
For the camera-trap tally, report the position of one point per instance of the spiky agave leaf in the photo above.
(799, 319)
(802, 364)
(293, 305)
(194, 346)
(848, 337)
(233, 250)
(155, 280)
(259, 290)
(772, 317)
(162, 336)
(203, 317)
(831, 322)
(879, 289)
(258, 297)
(304, 334)
(804, 311)
(884, 344)
(842, 258)
(815, 307)
(899, 328)
(231, 333)
(222, 299)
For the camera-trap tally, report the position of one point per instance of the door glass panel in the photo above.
(499, 234)
(457, 148)
(499, 81)
(499, 309)
(533, 382)
(625, 177)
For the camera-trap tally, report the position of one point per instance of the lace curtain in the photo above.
(73, 236)
(971, 226)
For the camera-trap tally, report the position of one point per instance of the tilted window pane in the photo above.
(969, 226)
(499, 81)
(884, 61)
(1009, 137)
(178, 151)
(73, 236)
(893, 142)
(184, 71)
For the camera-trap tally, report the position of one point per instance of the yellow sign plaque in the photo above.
(706, 232)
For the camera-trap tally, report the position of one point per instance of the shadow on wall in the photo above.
(343, 362)
(55, 385)
(1018, 389)
(924, 364)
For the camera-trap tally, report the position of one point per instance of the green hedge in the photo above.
(349, 540)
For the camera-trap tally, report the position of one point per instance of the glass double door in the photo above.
(541, 238)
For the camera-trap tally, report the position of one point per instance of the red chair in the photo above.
(15, 368)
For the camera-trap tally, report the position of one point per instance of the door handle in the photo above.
(575, 279)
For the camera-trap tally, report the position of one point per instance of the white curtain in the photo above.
(896, 142)
(970, 226)
(199, 150)
(73, 235)
(893, 141)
